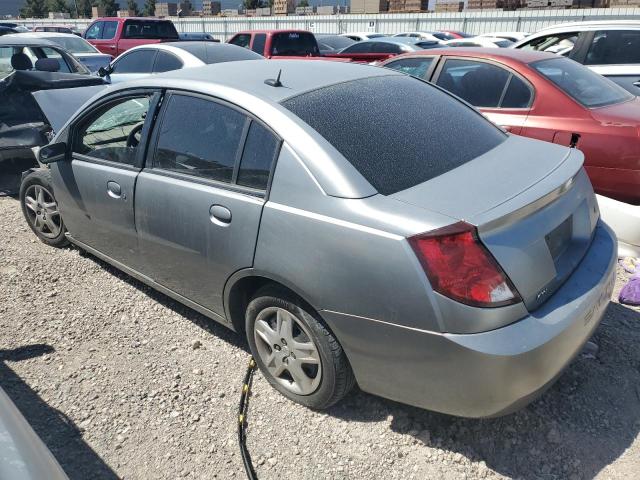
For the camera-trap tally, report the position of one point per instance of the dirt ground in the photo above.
(122, 382)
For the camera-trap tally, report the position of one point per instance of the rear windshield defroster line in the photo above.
(397, 131)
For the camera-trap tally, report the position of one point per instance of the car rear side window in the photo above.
(392, 153)
(137, 61)
(579, 82)
(614, 47)
(258, 43)
(258, 155)
(417, 67)
(112, 133)
(199, 137)
(166, 62)
(150, 29)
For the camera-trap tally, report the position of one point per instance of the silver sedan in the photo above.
(457, 268)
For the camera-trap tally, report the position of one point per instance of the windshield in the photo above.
(384, 151)
(580, 83)
(294, 44)
(73, 44)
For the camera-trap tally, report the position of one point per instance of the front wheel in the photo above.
(295, 351)
(40, 208)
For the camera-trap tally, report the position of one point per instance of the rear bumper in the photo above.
(483, 374)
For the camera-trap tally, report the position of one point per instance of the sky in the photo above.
(12, 7)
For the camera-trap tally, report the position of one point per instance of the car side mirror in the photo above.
(104, 72)
(54, 152)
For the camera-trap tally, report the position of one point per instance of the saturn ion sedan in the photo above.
(458, 270)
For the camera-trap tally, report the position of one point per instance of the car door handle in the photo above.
(220, 215)
(114, 190)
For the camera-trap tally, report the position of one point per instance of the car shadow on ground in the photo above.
(56, 430)
(579, 426)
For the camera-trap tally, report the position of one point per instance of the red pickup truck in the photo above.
(295, 44)
(116, 35)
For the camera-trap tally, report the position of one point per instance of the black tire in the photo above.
(42, 178)
(337, 378)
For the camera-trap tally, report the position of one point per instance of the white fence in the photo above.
(469, 21)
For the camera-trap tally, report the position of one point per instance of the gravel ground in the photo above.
(122, 382)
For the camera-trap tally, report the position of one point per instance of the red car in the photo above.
(114, 35)
(548, 97)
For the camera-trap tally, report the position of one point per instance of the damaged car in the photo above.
(29, 115)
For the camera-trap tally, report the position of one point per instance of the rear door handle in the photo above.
(114, 190)
(220, 215)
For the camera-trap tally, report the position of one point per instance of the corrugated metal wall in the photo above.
(469, 21)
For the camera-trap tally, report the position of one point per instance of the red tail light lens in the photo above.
(461, 268)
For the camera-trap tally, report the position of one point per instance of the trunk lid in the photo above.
(533, 206)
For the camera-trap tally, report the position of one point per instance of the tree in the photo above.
(133, 6)
(58, 6)
(303, 3)
(34, 9)
(84, 8)
(110, 7)
(149, 8)
(252, 4)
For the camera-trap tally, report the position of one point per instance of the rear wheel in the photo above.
(295, 351)
(40, 208)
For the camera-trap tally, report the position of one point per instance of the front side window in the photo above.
(166, 62)
(199, 137)
(614, 47)
(241, 40)
(561, 43)
(113, 133)
(138, 61)
(258, 155)
(381, 150)
(484, 85)
(94, 32)
(109, 30)
(583, 85)
(417, 67)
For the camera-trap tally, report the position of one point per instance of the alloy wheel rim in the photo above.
(287, 350)
(42, 210)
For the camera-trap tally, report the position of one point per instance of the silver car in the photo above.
(458, 269)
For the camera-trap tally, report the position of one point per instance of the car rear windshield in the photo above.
(294, 44)
(150, 29)
(397, 131)
(580, 83)
(210, 52)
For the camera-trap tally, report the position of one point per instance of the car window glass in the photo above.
(258, 43)
(481, 84)
(362, 47)
(581, 83)
(94, 31)
(241, 40)
(413, 66)
(149, 29)
(561, 43)
(259, 152)
(166, 62)
(199, 137)
(299, 44)
(336, 113)
(47, 52)
(614, 47)
(518, 94)
(109, 30)
(138, 61)
(386, 47)
(113, 133)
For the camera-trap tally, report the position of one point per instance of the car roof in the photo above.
(22, 40)
(122, 19)
(592, 24)
(249, 76)
(48, 35)
(521, 56)
(397, 40)
(286, 30)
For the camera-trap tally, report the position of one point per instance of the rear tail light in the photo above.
(460, 267)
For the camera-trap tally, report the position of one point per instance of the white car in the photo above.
(511, 36)
(146, 60)
(433, 36)
(483, 42)
(610, 48)
(359, 36)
